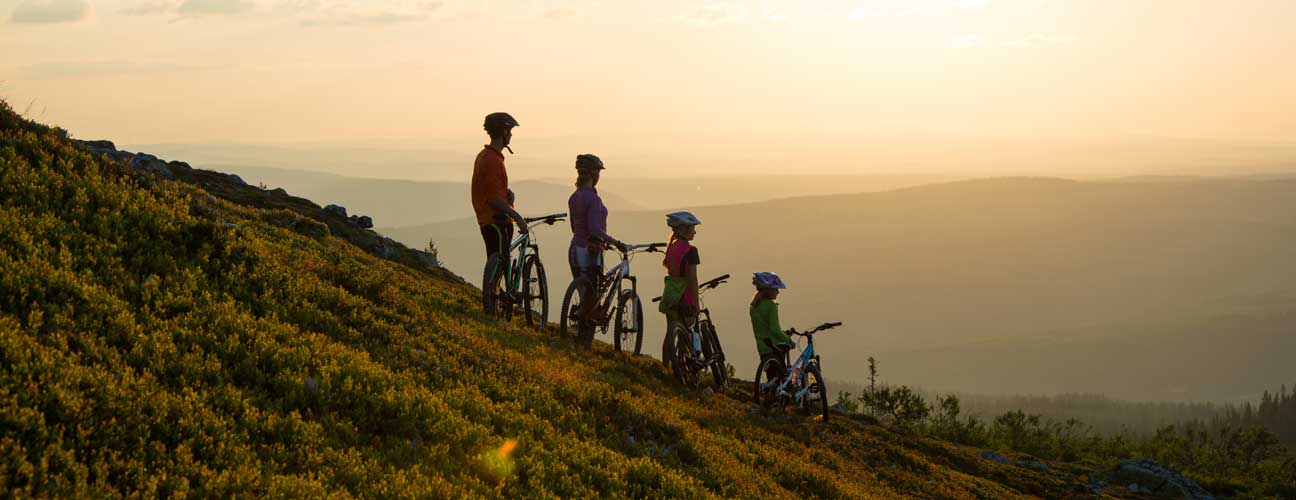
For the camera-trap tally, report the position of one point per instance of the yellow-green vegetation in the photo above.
(180, 338)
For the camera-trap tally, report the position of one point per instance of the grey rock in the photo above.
(363, 221)
(179, 166)
(97, 146)
(280, 191)
(427, 258)
(995, 457)
(1146, 476)
(149, 163)
(337, 210)
(235, 179)
(143, 162)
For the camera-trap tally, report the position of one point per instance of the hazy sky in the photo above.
(787, 77)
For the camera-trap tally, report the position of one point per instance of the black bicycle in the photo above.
(587, 306)
(520, 282)
(691, 349)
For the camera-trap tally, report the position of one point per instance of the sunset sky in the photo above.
(787, 77)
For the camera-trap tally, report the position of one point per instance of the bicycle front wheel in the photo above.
(576, 301)
(535, 300)
(816, 400)
(629, 321)
(714, 354)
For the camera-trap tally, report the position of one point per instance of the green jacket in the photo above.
(765, 325)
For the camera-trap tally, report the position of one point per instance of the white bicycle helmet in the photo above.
(767, 280)
(682, 219)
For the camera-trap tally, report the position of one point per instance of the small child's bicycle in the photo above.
(803, 386)
(696, 347)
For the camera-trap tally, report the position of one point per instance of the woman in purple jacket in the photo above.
(588, 218)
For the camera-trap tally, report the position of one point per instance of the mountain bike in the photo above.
(520, 282)
(587, 306)
(802, 386)
(694, 348)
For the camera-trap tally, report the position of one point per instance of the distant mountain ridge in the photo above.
(394, 203)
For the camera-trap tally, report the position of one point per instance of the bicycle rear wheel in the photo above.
(574, 323)
(629, 323)
(493, 299)
(816, 400)
(535, 300)
(768, 377)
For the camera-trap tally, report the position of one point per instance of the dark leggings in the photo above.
(497, 237)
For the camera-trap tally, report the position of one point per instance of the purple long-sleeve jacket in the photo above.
(588, 216)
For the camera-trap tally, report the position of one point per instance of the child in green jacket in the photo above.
(765, 319)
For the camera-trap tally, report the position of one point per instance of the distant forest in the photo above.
(1275, 412)
(1237, 451)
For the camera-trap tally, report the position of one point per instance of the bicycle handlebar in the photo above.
(715, 282)
(812, 331)
(646, 247)
(550, 219)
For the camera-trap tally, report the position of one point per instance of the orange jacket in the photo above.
(489, 180)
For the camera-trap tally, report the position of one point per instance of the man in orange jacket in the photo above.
(492, 200)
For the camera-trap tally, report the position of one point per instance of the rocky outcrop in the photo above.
(1150, 477)
(362, 221)
(142, 162)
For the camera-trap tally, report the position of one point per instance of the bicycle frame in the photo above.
(513, 271)
(512, 274)
(799, 366)
(609, 286)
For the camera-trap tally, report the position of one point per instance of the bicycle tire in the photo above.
(573, 324)
(683, 366)
(818, 388)
(714, 353)
(628, 332)
(535, 300)
(768, 376)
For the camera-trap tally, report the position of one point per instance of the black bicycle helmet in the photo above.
(588, 163)
(499, 122)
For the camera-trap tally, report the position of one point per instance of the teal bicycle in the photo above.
(802, 386)
(519, 282)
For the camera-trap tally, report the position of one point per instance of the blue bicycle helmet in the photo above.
(767, 280)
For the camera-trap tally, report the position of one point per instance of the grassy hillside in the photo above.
(1018, 285)
(206, 338)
